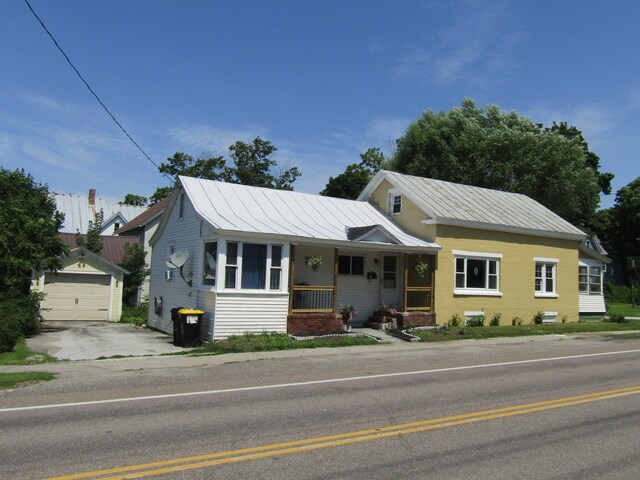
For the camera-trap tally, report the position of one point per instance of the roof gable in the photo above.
(464, 205)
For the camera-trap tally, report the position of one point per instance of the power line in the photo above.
(94, 93)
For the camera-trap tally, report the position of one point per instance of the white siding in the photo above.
(238, 313)
(184, 234)
(356, 290)
(591, 303)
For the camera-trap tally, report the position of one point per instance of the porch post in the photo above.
(292, 271)
(406, 279)
(335, 279)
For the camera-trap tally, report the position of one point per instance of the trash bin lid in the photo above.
(189, 311)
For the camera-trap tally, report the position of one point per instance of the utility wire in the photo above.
(94, 93)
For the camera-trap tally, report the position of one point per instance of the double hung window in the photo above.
(350, 265)
(545, 277)
(590, 279)
(477, 273)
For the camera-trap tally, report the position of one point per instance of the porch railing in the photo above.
(418, 298)
(316, 299)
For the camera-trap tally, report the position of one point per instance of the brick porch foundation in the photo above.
(415, 319)
(314, 323)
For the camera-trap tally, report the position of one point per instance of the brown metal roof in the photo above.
(144, 217)
(112, 247)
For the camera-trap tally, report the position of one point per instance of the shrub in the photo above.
(564, 318)
(136, 315)
(538, 318)
(620, 293)
(616, 319)
(516, 321)
(475, 321)
(19, 317)
(495, 320)
(455, 321)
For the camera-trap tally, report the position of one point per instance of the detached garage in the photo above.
(88, 287)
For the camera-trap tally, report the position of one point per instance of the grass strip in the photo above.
(267, 342)
(21, 355)
(462, 333)
(623, 309)
(13, 380)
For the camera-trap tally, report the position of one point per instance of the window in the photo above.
(181, 208)
(395, 203)
(389, 269)
(231, 268)
(276, 267)
(209, 263)
(477, 273)
(248, 264)
(545, 277)
(590, 279)
(350, 265)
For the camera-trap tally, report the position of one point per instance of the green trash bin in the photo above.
(190, 321)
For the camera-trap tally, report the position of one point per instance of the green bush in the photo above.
(136, 315)
(616, 319)
(516, 321)
(455, 321)
(495, 320)
(538, 318)
(475, 321)
(620, 293)
(19, 317)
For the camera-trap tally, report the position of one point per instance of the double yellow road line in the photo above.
(233, 456)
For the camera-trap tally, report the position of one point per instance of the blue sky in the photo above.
(323, 81)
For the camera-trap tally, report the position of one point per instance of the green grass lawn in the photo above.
(21, 355)
(624, 309)
(461, 333)
(277, 341)
(13, 380)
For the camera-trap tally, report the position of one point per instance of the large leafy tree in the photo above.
(625, 238)
(29, 225)
(134, 262)
(489, 148)
(356, 176)
(249, 164)
(134, 200)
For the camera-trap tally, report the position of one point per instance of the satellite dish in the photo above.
(177, 259)
(211, 261)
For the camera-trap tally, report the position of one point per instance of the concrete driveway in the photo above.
(83, 340)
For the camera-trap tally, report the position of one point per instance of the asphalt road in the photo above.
(546, 407)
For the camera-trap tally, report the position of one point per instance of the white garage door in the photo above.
(72, 296)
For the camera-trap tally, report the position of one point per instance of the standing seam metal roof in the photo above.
(241, 208)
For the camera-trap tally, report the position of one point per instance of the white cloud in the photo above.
(211, 139)
(592, 120)
(475, 47)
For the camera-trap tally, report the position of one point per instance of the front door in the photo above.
(391, 284)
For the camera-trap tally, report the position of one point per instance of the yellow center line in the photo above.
(297, 446)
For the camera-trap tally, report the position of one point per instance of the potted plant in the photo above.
(383, 316)
(347, 312)
(313, 261)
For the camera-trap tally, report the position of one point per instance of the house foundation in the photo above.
(314, 324)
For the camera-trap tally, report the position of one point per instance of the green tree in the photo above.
(504, 151)
(134, 200)
(626, 212)
(93, 240)
(356, 176)
(29, 241)
(252, 164)
(134, 262)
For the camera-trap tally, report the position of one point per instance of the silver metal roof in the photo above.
(457, 204)
(78, 212)
(300, 216)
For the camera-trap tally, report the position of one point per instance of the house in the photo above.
(142, 228)
(257, 259)
(502, 253)
(88, 286)
(79, 210)
(592, 265)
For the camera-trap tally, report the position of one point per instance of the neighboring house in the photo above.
(79, 210)
(88, 286)
(282, 261)
(502, 253)
(591, 269)
(142, 228)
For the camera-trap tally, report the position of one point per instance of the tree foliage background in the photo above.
(249, 163)
(504, 151)
(29, 225)
(134, 262)
(356, 176)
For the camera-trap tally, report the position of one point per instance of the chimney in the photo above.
(92, 197)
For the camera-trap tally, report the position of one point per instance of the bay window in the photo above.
(590, 279)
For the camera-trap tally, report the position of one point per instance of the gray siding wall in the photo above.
(184, 234)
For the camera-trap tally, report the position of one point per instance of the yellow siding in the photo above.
(516, 275)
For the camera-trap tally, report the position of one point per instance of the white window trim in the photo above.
(477, 292)
(545, 294)
(393, 193)
(221, 273)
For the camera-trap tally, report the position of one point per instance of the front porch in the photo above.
(323, 280)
